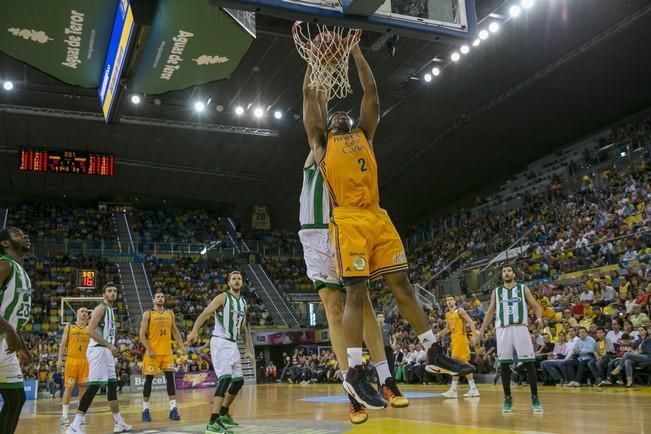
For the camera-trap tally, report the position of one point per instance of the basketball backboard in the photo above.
(421, 19)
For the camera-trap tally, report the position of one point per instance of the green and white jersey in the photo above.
(511, 306)
(315, 202)
(229, 320)
(106, 327)
(15, 295)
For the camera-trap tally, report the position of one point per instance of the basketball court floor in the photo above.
(322, 409)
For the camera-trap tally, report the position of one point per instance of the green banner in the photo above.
(66, 39)
(191, 43)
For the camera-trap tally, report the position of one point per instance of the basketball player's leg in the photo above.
(219, 352)
(333, 304)
(11, 390)
(524, 348)
(460, 351)
(167, 365)
(237, 381)
(375, 345)
(505, 344)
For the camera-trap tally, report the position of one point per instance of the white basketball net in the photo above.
(329, 60)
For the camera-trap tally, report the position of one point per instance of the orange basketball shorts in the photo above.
(460, 349)
(75, 371)
(366, 243)
(153, 365)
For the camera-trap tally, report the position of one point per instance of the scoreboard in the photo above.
(87, 279)
(67, 162)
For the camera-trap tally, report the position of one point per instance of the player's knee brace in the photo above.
(88, 397)
(171, 386)
(236, 385)
(222, 386)
(149, 379)
(112, 391)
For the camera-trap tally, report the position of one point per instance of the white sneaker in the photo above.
(84, 421)
(65, 421)
(472, 393)
(71, 430)
(574, 384)
(450, 394)
(122, 427)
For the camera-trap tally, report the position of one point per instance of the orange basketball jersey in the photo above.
(160, 331)
(455, 323)
(77, 342)
(350, 171)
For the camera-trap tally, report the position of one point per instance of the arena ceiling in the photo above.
(564, 70)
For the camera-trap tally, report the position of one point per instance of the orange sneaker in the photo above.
(358, 412)
(392, 394)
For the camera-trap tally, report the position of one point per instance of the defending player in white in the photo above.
(511, 301)
(230, 311)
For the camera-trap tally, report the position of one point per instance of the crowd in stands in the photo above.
(179, 226)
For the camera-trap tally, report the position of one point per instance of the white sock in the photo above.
(453, 386)
(383, 372)
(66, 408)
(472, 384)
(172, 404)
(145, 405)
(427, 339)
(354, 357)
(79, 418)
(117, 417)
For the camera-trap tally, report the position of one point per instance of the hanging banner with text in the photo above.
(191, 43)
(66, 39)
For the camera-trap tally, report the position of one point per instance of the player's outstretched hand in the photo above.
(190, 339)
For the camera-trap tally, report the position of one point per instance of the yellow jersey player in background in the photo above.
(156, 331)
(455, 325)
(74, 344)
(367, 245)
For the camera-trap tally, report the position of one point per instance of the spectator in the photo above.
(584, 349)
(632, 358)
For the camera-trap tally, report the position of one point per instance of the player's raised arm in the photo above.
(315, 114)
(369, 114)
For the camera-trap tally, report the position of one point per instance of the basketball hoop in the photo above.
(326, 50)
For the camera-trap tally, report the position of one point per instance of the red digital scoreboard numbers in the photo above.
(87, 279)
(67, 162)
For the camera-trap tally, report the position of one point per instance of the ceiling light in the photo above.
(258, 112)
(494, 27)
(483, 35)
(135, 99)
(219, 108)
(8, 85)
(428, 77)
(527, 4)
(436, 71)
(464, 49)
(199, 106)
(515, 11)
(239, 110)
(278, 114)
(455, 57)
(476, 42)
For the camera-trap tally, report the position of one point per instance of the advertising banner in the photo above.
(66, 39)
(196, 380)
(137, 383)
(191, 43)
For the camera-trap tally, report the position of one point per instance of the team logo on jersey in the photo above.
(359, 263)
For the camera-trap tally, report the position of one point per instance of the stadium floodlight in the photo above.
(436, 71)
(135, 99)
(476, 42)
(258, 112)
(199, 106)
(278, 114)
(428, 77)
(464, 49)
(8, 85)
(455, 56)
(515, 11)
(483, 35)
(527, 4)
(494, 27)
(239, 110)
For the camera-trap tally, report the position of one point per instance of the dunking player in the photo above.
(101, 365)
(156, 329)
(321, 269)
(74, 344)
(15, 305)
(455, 324)
(367, 245)
(511, 301)
(230, 310)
